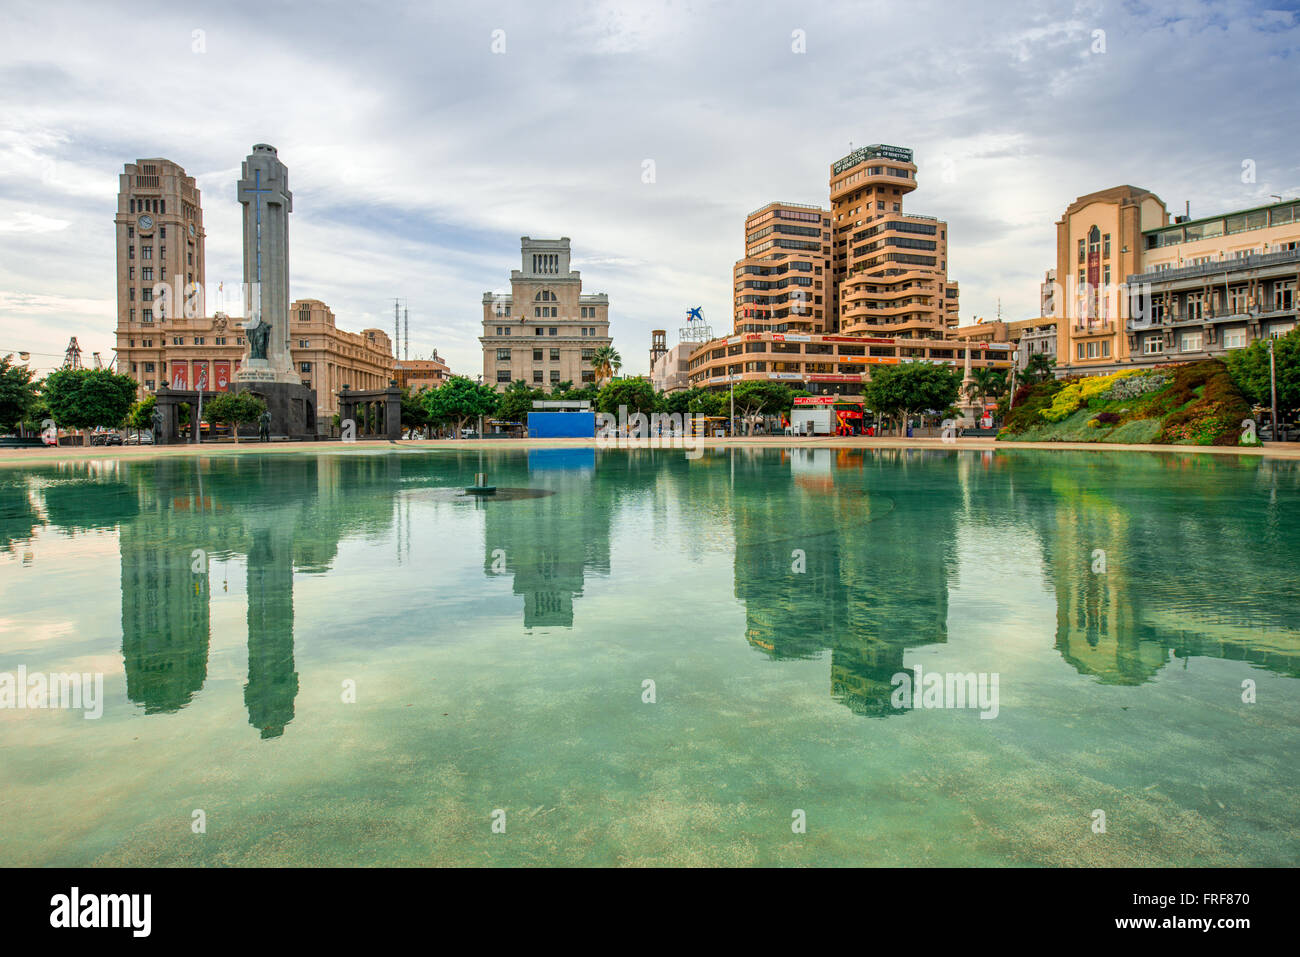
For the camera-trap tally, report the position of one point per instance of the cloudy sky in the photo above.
(418, 154)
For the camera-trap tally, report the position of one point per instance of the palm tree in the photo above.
(607, 362)
(1040, 368)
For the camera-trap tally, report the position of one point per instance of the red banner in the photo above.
(222, 376)
(201, 376)
(180, 375)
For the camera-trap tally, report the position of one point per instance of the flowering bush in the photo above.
(1132, 386)
(1080, 392)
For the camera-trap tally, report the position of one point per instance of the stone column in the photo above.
(263, 190)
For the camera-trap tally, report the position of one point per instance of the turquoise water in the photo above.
(498, 655)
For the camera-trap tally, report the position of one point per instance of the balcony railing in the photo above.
(1253, 261)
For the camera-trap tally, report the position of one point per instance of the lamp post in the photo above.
(1272, 388)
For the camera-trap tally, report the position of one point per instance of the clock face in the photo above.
(146, 222)
(191, 229)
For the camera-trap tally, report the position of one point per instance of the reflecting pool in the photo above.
(637, 658)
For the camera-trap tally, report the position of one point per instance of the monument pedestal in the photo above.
(292, 406)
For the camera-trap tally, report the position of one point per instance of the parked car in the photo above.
(1286, 432)
(106, 437)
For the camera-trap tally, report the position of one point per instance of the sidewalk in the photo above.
(21, 457)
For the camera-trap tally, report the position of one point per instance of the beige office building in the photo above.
(168, 337)
(783, 283)
(545, 330)
(890, 268)
(1135, 288)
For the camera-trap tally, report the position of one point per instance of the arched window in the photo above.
(545, 296)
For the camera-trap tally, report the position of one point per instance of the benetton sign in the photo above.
(875, 151)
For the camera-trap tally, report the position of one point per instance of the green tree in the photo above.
(140, 417)
(606, 362)
(560, 389)
(637, 394)
(459, 400)
(675, 403)
(759, 397)
(1040, 368)
(517, 401)
(414, 414)
(1249, 370)
(88, 398)
(986, 383)
(17, 393)
(901, 390)
(708, 402)
(234, 409)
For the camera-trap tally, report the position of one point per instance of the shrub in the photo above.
(1107, 418)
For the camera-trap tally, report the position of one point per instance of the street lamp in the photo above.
(1272, 387)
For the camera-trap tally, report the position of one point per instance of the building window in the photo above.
(220, 340)
(499, 332)
(148, 367)
(1284, 296)
(1094, 350)
(555, 376)
(146, 252)
(503, 355)
(507, 327)
(537, 355)
(503, 375)
(1081, 252)
(1153, 345)
(588, 376)
(588, 354)
(304, 367)
(555, 355)
(537, 375)
(1105, 246)
(539, 331)
(146, 273)
(554, 331)
(130, 252)
(1234, 339)
(200, 340)
(304, 343)
(146, 315)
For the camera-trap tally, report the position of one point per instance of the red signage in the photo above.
(814, 400)
(201, 376)
(222, 375)
(180, 375)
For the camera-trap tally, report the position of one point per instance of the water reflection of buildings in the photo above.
(1208, 572)
(549, 542)
(174, 516)
(867, 592)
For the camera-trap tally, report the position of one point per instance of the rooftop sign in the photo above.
(875, 151)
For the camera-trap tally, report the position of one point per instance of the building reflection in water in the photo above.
(820, 564)
(1208, 571)
(547, 544)
(846, 551)
(175, 516)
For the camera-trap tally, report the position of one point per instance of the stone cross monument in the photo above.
(264, 194)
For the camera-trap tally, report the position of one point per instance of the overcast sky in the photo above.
(418, 156)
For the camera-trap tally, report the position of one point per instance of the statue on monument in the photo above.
(259, 335)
